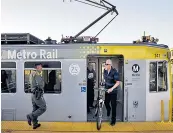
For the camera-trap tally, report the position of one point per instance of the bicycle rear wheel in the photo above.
(99, 117)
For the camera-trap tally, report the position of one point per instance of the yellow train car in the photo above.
(171, 61)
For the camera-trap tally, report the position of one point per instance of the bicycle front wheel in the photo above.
(99, 118)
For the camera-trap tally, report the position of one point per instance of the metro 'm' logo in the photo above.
(135, 68)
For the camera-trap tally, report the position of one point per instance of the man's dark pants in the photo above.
(111, 97)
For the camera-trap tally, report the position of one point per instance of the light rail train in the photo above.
(144, 69)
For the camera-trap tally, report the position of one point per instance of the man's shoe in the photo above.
(36, 125)
(29, 119)
(108, 113)
(113, 122)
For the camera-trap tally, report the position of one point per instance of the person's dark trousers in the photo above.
(88, 99)
(88, 110)
(111, 98)
(90, 95)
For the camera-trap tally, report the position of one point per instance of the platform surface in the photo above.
(85, 132)
(48, 127)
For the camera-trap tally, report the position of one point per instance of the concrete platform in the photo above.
(48, 127)
(85, 132)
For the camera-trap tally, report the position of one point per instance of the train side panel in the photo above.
(69, 105)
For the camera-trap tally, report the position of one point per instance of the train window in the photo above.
(51, 74)
(162, 76)
(8, 65)
(102, 70)
(8, 77)
(158, 76)
(48, 64)
(93, 64)
(153, 76)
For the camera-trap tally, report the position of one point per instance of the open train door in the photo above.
(98, 63)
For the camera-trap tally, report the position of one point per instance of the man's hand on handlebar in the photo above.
(110, 90)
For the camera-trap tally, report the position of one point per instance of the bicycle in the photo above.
(99, 106)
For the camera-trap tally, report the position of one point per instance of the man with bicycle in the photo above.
(111, 78)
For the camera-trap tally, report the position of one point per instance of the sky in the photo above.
(55, 18)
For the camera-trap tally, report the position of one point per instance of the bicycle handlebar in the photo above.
(101, 89)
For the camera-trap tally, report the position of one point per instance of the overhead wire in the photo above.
(89, 4)
(102, 6)
(106, 25)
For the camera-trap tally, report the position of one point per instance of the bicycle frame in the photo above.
(100, 101)
(99, 107)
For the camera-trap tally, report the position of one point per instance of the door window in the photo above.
(102, 70)
(158, 76)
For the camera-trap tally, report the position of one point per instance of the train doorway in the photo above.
(97, 63)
